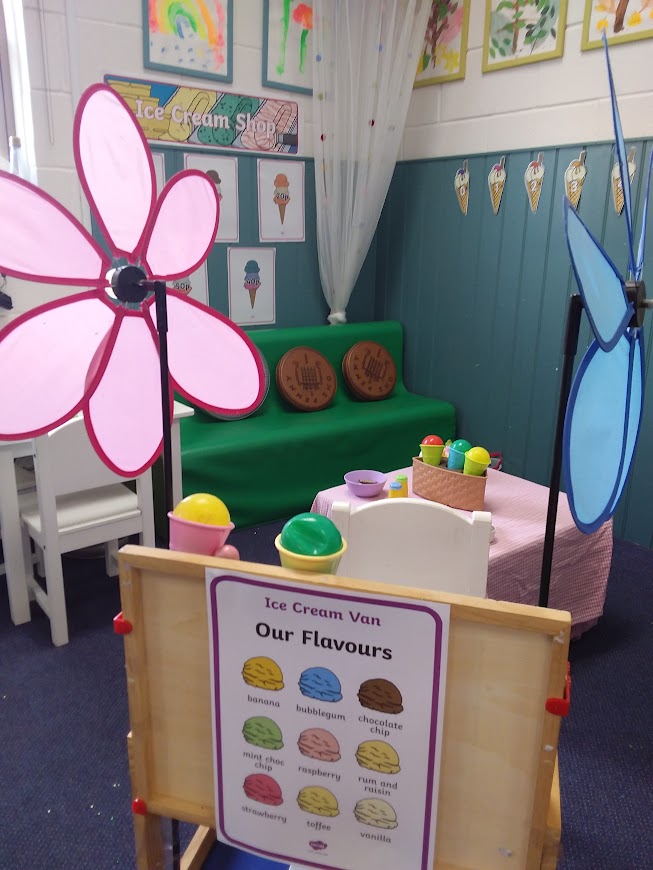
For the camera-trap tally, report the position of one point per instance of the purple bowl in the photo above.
(365, 483)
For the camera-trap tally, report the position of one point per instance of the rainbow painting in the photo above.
(194, 37)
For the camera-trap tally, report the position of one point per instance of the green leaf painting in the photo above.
(523, 31)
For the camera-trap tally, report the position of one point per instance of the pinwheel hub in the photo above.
(636, 293)
(129, 284)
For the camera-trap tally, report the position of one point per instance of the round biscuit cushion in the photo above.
(369, 371)
(306, 379)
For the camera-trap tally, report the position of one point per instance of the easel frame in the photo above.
(499, 771)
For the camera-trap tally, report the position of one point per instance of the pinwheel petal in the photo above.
(635, 407)
(598, 280)
(600, 432)
(41, 241)
(212, 362)
(115, 168)
(44, 357)
(124, 412)
(184, 226)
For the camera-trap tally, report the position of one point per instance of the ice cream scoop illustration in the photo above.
(375, 812)
(262, 788)
(319, 744)
(617, 189)
(575, 178)
(533, 178)
(263, 673)
(381, 695)
(252, 281)
(263, 732)
(320, 684)
(318, 800)
(281, 195)
(496, 181)
(215, 178)
(378, 755)
(461, 186)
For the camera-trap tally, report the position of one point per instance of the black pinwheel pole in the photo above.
(572, 329)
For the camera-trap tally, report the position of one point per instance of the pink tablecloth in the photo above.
(581, 563)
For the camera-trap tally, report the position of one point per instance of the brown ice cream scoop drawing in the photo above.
(381, 695)
(281, 196)
(215, 178)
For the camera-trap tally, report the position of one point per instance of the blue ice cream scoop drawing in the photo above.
(320, 684)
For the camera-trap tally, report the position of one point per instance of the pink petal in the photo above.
(124, 412)
(211, 360)
(115, 168)
(41, 241)
(184, 226)
(44, 359)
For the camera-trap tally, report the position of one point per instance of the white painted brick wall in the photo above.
(555, 102)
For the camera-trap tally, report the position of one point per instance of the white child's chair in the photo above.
(78, 503)
(412, 542)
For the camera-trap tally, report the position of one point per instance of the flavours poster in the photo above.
(327, 721)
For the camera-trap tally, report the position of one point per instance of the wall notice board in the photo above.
(499, 744)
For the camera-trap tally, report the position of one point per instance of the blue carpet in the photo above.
(64, 781)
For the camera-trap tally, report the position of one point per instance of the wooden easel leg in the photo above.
(148, 832)
(198, 849)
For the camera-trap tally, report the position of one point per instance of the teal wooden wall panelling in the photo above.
(484, 299)
(299, 298)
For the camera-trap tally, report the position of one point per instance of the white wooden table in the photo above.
(10, 515)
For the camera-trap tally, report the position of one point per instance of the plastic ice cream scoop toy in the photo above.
(431, 448)
(310, 542)
(201, 524)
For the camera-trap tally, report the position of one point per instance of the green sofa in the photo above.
(270, 465)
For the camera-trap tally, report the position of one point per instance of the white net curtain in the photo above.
(364, 64)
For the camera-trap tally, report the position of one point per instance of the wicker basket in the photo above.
(453, 488)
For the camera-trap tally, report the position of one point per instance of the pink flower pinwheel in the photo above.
(97, 353)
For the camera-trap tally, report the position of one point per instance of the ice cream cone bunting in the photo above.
(575, 175)
(461, 186)
(615, 176)
(496, 181)
(533, 178)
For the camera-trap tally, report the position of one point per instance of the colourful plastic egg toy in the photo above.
(461, 445)
(204, 508)
(432, 439)
(479, 454)
(311, 534)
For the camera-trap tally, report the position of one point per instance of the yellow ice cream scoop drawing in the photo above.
(263, 673)
(318, 800)
(378, 755)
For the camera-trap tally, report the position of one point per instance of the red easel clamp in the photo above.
(560, 706)
(139, 807)
(121, 625)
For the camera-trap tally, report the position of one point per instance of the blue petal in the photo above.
(623, 160)
(601, 427)
(599, 282)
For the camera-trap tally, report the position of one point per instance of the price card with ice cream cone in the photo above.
(461, 186)
(496, 181)
(575, 175)
(327, 715)
(533, 178)
(281, 200)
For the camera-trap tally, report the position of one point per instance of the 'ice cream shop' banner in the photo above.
(327, 722)
(204, 117)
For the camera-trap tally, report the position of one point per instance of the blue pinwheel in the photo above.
(605, 404)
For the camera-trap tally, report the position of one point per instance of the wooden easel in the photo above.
(499, 793)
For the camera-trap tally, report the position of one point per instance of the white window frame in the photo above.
(7, 120)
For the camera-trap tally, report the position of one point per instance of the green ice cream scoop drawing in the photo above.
(263, 732)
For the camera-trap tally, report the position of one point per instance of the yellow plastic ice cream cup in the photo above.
(315, 564)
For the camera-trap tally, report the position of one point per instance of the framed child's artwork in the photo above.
(191, 37)
(524, 32)
(287, 45)
(622, 22)
(444, 50)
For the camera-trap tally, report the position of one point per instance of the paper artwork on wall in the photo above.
(615, 178)
(461, 186)
(444, 51)
(533, 178)
(281, 200)
(196, 285)
(193, 37)
(159, 161)
(496, 181)
(524, 32)
(251, 285)
(575, 175)
(622, 22)
(287, 45)
(223, 171)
